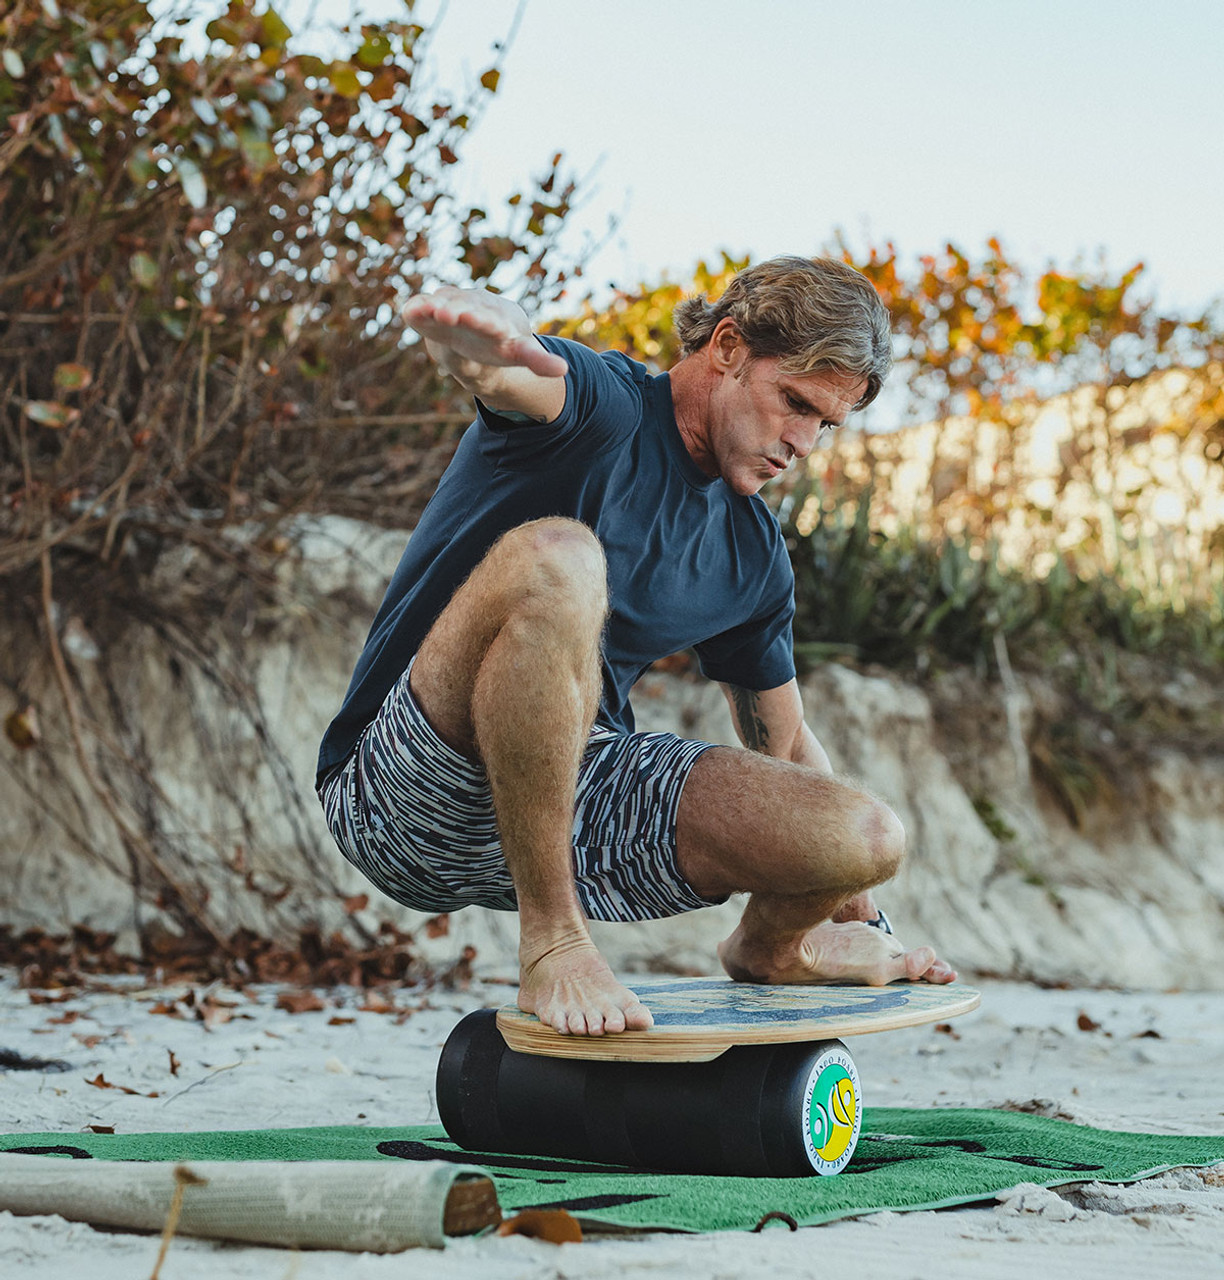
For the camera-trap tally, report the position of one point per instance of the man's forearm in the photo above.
(806, 750)
(773, 724)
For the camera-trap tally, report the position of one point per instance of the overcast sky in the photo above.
(1066, 127)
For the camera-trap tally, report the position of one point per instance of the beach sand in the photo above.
(1137, 1060)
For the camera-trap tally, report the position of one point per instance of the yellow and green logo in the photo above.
(832, 1114)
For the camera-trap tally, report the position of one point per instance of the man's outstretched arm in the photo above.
(485, 342)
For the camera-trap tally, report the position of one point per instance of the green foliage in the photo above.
(922, 606)
(992, 819)
(899, 600)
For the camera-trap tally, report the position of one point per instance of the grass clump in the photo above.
(921, 606)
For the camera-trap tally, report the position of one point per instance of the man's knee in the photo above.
(555, 563)
(869, 836)
(884, 841)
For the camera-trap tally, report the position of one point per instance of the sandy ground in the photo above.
(255, 1065)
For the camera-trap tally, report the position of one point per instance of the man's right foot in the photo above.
(572, 989)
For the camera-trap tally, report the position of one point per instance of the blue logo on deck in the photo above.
(718, 1002)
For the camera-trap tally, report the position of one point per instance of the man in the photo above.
(593, 520)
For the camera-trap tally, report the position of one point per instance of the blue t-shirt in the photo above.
(690, 563)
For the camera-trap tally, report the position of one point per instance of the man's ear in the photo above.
(726, 351)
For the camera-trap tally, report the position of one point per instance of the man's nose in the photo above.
(799, 442)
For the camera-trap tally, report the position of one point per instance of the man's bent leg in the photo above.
(510, 674)
(802, 844)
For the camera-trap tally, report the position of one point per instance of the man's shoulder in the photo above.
(587, 358)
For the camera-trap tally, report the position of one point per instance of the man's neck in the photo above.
(690, 392)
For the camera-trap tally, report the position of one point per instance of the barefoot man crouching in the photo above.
(594, 519)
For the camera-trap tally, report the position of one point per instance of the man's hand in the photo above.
(468, 331)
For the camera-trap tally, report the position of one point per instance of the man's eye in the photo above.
(799, 406)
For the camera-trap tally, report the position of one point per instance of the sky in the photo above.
(1069, 129)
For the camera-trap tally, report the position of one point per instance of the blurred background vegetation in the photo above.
(205, 244)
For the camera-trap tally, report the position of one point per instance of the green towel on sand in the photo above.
(906, 1159)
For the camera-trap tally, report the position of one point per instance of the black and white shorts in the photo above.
(416, 818)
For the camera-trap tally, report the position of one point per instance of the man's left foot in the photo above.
(852, 952)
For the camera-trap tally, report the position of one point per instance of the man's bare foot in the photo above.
(852, 952)
(572, 989)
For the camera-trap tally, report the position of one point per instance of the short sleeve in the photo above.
(603, 406)
(759, 653)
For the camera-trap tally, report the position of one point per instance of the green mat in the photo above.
(906, 1159)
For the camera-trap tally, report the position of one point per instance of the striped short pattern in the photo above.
(416, 818)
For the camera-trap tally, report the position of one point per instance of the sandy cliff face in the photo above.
(1004, 874)
(998, 874)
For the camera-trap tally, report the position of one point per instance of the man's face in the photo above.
(760, 419)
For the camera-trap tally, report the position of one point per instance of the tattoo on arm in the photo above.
(752, 728)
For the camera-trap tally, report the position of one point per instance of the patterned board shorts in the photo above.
(416, 818)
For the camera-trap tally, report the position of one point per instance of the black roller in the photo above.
(748, 1112)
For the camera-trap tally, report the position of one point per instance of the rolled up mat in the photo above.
(363, 1206)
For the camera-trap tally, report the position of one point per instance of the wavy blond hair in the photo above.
(812, 313)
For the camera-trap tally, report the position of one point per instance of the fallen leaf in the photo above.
(174, 1063)
(554, 1225)
(101, 1082)
(299, 1002)
(358, 902)
(437, 926)
(1085, 1023)
(90, 1041)
(459, 976)
(215, 1016)
(340, 1022)
(947, 1029)
(378, 1004)
(101, 1128)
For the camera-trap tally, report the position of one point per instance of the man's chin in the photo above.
(745, 482)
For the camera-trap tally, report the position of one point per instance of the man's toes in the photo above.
(576, 1023)
(917, 962)
(638, 1017)
(613, 1020)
